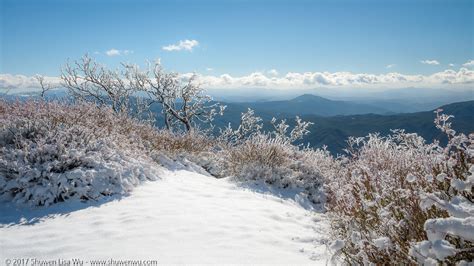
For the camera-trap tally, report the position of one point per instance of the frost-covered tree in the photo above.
(44, 86)
(88, 80)
(183, 101)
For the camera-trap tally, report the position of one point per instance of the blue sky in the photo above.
(240, 37)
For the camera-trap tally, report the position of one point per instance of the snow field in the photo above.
(184, 217)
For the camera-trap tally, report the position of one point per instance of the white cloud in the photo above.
(337, 79)
(112, 52)
(429, 62)
(272, 72)
(115, 52)
(8, 81)
(451, 65)
(209, 69)
(469, 63)
(390, 66)
(187, 45)
(299, 80)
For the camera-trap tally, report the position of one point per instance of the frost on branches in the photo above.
(249, 154)
(52, 152)
(403, 200)
(183, 102)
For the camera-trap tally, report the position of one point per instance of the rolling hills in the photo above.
(333, 131)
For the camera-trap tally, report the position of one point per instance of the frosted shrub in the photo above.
(250, 124)
(279, 163)
(401, 200)
(176, 143)
(51, 152)
(261, 153)
(195, 146)
(252, 155)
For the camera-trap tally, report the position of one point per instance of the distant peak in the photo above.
(309, 97)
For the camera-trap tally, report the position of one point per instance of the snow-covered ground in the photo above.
(184, 217)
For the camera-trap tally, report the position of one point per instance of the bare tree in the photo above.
(87, 80)
(182, 101)
(45, 86)
(157, 85)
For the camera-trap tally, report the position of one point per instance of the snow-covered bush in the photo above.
(401, 200)
(248, 154)
(52, 152)
(195, 146)
(278, 163)
(178, 143)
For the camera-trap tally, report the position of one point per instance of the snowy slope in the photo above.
(184, 217)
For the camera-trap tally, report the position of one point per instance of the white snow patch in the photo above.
(184, 217)
(438, 228)
(382, 242)
(337, 245)
(411, 178)
(441, 177)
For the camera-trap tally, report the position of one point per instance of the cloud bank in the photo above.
(14, 82)
(187, 45)
(462, 77)
(293, 80)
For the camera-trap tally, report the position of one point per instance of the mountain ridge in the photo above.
(314, 104)
(333, 131)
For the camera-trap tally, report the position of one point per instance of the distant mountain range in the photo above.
(312, 104)
(401, 100)
(348, 100)
(334, 131)
(332, 126)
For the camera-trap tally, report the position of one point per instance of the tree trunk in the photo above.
(188, 125)
(167, 121)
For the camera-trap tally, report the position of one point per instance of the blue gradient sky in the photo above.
(240, 37)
